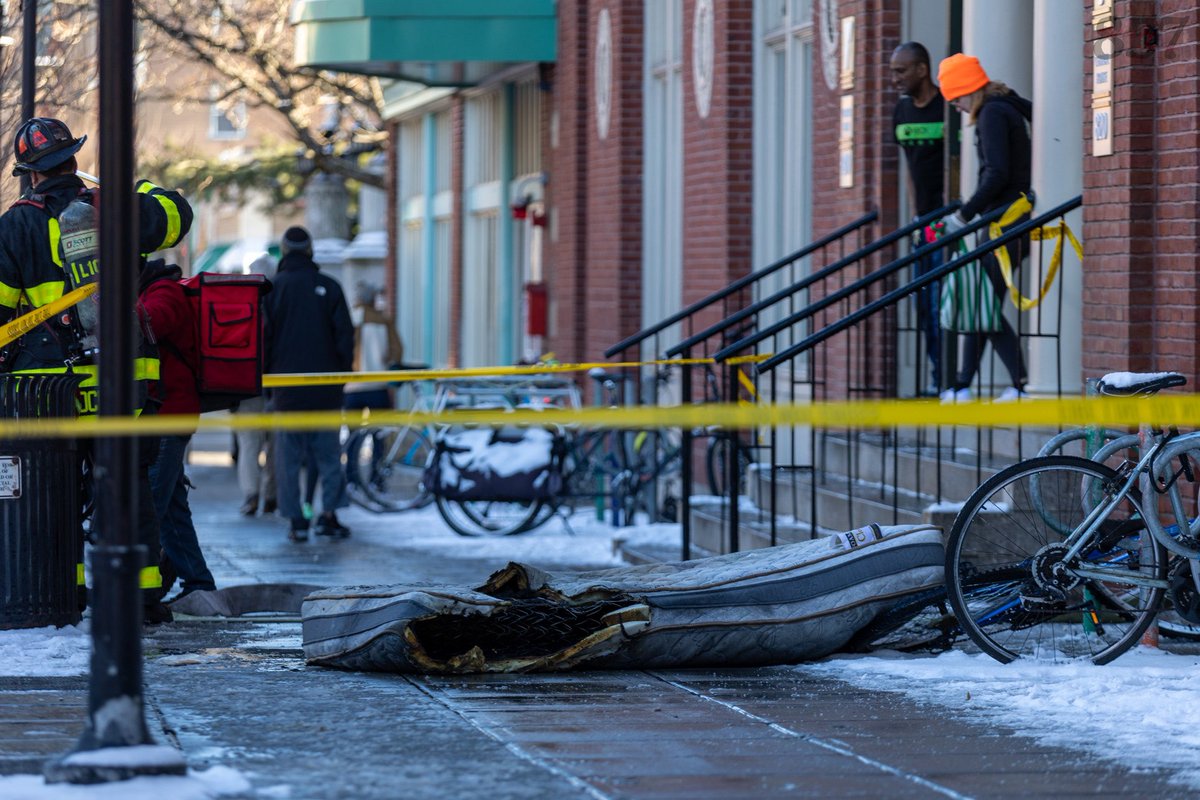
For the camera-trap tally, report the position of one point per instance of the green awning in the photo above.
(444, 43)
(209, 258)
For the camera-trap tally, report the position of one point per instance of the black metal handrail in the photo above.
(740, 284)
(819, 275)
(915, 285)
(859, 285)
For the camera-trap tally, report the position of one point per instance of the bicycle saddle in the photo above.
(1133, 384)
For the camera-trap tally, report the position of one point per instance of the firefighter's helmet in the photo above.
(43, 143)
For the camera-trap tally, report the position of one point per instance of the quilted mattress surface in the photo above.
(776, 605)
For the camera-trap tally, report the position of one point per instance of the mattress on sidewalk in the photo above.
(777, 605)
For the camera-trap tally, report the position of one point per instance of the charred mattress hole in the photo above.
(527, 628)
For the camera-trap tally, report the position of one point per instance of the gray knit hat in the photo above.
(295, 239)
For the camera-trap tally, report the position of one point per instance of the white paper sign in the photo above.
(10, 477)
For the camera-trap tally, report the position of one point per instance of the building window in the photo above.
(226, 118)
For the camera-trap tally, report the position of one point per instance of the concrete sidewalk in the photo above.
(236, 692)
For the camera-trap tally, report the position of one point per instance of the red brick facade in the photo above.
(613, 275)
(1141, 296)
(718, 160)
(1141, 205)
(566, 148)
(876, 179)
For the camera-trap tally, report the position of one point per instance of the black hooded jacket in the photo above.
(308, 330)
(1005, 153)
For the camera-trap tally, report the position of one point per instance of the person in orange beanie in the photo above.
(1000, 117)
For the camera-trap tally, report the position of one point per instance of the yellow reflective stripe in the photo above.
(149, 578)
(173, 222)
(44, 293)
(9, 295)
(55, 235)
(80, 580)
(145, 369)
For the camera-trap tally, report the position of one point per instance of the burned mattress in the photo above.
(777, 605)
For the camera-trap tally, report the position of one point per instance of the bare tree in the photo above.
(65, 75)
(245, 47)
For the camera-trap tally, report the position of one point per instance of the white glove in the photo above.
(953, 224)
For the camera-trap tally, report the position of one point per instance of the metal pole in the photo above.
(28, 69)
(116, 705)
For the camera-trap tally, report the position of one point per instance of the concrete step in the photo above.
(710, 528)
(919, 465)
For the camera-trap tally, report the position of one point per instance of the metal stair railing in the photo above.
(880, 350)
(729, 294)
(747, 317)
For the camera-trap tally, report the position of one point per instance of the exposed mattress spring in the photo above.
(530, 627)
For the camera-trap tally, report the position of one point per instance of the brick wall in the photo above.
(863, 356)
(1140, 295)
(566, 145)
(612, 277)
(718, 161)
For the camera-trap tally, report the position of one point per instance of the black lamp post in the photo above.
(116, 721)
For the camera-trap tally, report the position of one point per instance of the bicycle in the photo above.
(619, 468)
(1081, 573)
(385, 465)
(480, 509)
(1105, 446)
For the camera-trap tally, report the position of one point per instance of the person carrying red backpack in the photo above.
(170, 322)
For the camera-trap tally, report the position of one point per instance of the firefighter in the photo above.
(32, 275)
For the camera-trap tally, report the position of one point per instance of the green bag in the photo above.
(969, 303)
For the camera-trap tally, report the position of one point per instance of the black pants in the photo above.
(147, 530)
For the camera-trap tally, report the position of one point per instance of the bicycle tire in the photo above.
(393, 477)
(1001, 558)
(489, 517)
(716, 461)
(658, 472)
(1061, 443)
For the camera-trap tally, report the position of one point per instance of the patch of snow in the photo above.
(1140, 710)
(206, 785)
(46, 651)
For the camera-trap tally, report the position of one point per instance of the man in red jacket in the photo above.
(170, 322)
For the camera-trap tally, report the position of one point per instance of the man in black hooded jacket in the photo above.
(308, 330)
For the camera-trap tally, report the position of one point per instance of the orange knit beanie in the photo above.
(960, 75)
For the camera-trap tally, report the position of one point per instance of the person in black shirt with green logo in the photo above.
(918, 125)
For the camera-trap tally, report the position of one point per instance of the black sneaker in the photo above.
(298, 532)
(157, 614)
(328, 525)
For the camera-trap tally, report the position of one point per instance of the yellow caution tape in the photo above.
(1182, 410)
(1057, 232)
(25, 323)
(280, 379)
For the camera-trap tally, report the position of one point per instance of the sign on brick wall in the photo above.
(846, 143)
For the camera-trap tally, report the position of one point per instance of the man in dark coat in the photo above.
(308, 330)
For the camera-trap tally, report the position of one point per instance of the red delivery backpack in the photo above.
(229, 336)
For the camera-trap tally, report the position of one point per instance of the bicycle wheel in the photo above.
(389, 464)
(490, 517)
(716, 460)
(1076, 441)
(651, 479)
(1012, 591)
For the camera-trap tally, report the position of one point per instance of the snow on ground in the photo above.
(48, 652)
(210, 783)
(580, 540)
(1142, 710)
